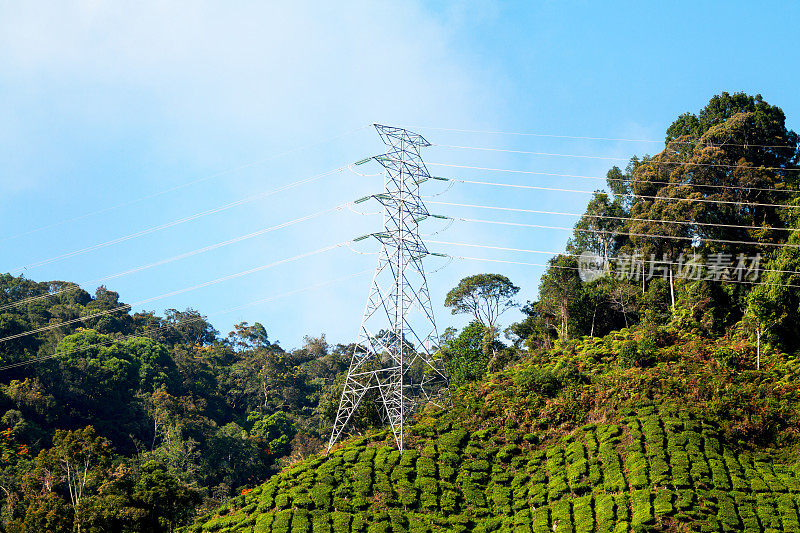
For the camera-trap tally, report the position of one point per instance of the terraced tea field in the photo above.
(655, 469)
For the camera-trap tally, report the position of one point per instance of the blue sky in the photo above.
(104, 103)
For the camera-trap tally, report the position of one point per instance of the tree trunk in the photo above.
(671, 289)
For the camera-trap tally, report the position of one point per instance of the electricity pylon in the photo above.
(400, 359)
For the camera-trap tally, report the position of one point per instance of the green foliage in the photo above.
(484, 296)
(662, 424)
(629, 353)
(465, 358)
(559, 292)
(542, 381)
(160, 495)
(276, 430)
(217, 415)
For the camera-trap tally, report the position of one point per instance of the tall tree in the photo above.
(559, 291)
(737, 152)
(596, 230)
(484, 296)
(75, 465)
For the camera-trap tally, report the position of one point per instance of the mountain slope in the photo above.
(564, 442)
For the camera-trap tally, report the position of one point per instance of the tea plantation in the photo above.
(502, 461)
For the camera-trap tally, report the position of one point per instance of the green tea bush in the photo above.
(501, 498)
(358, 523)
(765, 508)
(449, 501)
(583, 514)
(426, 467)
(428, 491)
(629, 355)
(641, 510)
(282, 521)
(604, 508)
(453, 440)
(613, 480)
(301, 521)
(263, 523)
(662, 503)
(322, 495)
(621, 506)
(745, 508)
(321, 522)
(637, 469)
(788, 513)
(539, 380)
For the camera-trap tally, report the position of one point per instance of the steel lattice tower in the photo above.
(396, 350)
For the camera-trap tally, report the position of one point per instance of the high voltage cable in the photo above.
(182, 186)
(614, 233)
(585, 138)
(611, 158)
(183, 220)
(620, 180)
(677, 276)
(656, 261)
(578, 176)
(581, 191)
(179, 256)
(182, 322)
(634, 219)
(176, 292)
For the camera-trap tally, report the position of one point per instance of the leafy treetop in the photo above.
(484, 296)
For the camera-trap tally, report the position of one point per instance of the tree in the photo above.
(534, 331)
(464, 355)
(625, 299)
(75, 464)
(484, 296)
(276, 431)
(596, 230)
(559, 291)
(166, 501)
(189, 327)
(737, 152)
(246, 337)
(775, 303)
(106, 301)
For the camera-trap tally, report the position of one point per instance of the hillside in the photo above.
(567, 440)
(629, 396)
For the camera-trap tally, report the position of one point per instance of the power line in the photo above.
(615, 233)
(610, 158)
(174, 293)
(181, 323)
(179, 256)
(614, 139)
(522, 250)
(182, 186)
(556, 189)
(179, 221)
(677, 276)
(539, 212)
(620, 180)
(578, 176)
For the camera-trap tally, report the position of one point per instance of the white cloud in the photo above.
(284, 64)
